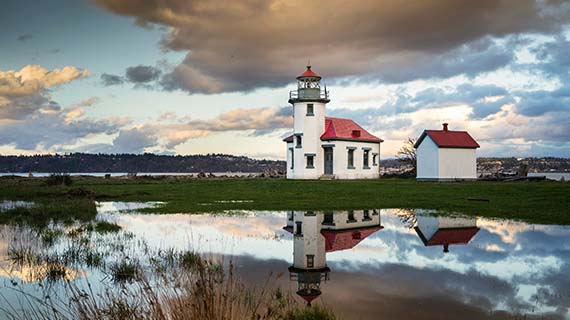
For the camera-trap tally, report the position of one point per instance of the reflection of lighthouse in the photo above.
(445, 231)
(315, 234)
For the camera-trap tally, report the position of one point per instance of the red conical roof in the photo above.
(308, 73)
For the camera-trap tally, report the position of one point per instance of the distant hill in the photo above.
(493, 165)
(83, 162)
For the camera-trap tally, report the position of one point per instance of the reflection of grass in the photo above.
(182, 284)
(48, 210)
(542, 202)
(124, 271)
(104, 227)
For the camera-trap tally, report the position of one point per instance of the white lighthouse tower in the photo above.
(309, 267)
(305, 153)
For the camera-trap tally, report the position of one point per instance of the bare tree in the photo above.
(407, 153)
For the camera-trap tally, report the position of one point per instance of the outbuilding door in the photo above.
(328, 160)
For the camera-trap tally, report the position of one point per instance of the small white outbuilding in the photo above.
(444, 155)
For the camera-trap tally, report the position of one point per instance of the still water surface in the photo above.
(372, 264)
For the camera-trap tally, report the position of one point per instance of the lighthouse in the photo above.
(309, 103)
(323, 147)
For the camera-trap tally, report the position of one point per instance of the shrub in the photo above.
(125, 271)
(59, 179)
(104, 227)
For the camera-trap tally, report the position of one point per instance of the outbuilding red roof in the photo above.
(448, 139)
(308, 73)
(346, 239)
(346, 129)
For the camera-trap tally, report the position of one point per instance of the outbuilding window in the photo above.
(299, 141)
(374, 159)
(292, 152)
(310, 109)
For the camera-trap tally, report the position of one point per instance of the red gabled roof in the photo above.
(452, 236)
(308, 73)
(347, 239)
(448, 139)
(346, 129)
(289, 138)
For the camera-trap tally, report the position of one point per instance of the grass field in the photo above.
(539, 202)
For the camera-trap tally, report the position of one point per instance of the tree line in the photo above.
(84, 162)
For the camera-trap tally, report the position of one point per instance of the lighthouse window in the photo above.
(299, 142)
(310, 109)
(310, 261)
(292, 158)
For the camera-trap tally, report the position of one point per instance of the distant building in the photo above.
(325, 147)
(445, 231)
(317, 233)
(445, 155)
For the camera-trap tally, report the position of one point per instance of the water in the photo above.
(551, 175)
(124, 174)
(371, 264)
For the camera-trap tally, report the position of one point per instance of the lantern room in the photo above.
(309, 88)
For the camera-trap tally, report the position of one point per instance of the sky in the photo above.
(209, 76)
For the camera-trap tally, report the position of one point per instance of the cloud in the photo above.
(247, 45)
(30, 120)
(142, 74)
(111, 79)
(33, 79)
(169, 131)
(54, 128)
(254, 119)
(25, 37)
(134, 140)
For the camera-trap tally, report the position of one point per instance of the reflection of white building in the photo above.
(322, 146)
(445, 231)
(315, 234)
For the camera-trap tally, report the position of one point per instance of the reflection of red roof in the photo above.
(346, 239)
(452, 236)
(449, 139)
(289, 138)
(449, 236)
(309, 296)
(346, 129)
(308, 73)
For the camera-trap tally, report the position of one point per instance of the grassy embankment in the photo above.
(539, 202)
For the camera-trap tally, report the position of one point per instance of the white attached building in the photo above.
(444, 155)
(326, 147)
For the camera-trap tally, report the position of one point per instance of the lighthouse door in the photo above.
(328, 160)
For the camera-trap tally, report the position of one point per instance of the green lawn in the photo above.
(540, 202)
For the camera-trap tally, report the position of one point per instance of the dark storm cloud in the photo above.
(241, 46)
(142, 74)
(25, 37)
(111, 79)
